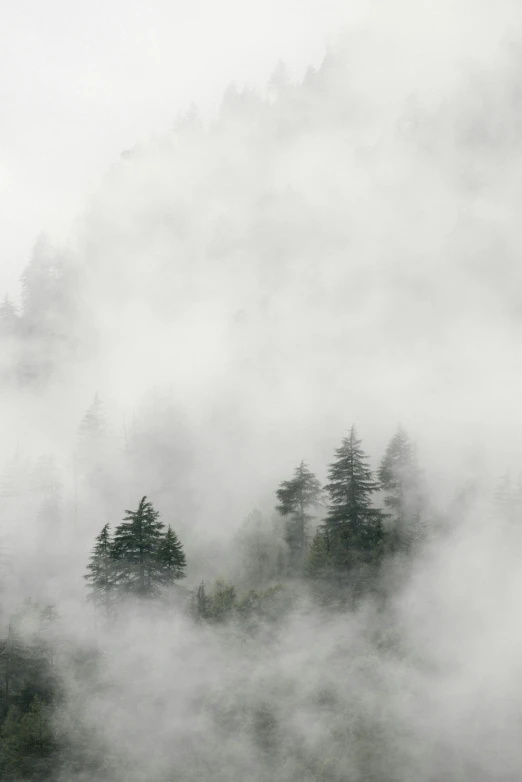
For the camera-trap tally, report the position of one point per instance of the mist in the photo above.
(232, 234)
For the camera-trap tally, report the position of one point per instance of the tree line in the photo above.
(354, 533)
(337, 535)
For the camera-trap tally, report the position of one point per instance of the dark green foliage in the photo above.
(221, 603)
(399, 476)
(135, 552)
(28, 744)
(171, 558)
(29, 692)
(320, 561)
(354, 526)
(101, 571)
(201, 604)
(268, 605)
(296, 497)
(141, 560)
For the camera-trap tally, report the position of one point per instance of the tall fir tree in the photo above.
(171, 558)
(135, 550)
(296, 497)
(353, 524)
(101, 571)
(399, 476)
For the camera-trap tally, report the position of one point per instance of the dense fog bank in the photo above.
(318, 602)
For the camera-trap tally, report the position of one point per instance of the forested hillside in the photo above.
(222, 555)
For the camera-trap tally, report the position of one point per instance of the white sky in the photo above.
(80, 82)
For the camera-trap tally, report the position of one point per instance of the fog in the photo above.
(241, 229)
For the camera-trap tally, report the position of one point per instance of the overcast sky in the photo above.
(80, 82)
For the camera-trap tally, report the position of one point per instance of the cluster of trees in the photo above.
(142, 559)
(356, 532)
(337, 535)
(29, 691)
(41, 333)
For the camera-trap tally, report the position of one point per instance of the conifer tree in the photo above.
(9, 319)
(201, 604)
(222, 602)
(135, 551)
(101, 571)
(354, 526)
(93, 425)
(399, 476)
(319, 556)
(171, 558)
(28, 745)
(296, 497)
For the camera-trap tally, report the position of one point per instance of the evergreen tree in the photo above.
(296, 497)
(319, 559)
(28, 744)
(353, 525)
(201, 604)
(135, 551)
(9, 319)
(222, 602)
(100, 576)
(93, 425)
(399, 476)
(171, 558)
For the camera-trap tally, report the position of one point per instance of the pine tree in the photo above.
(296, 497)
(101, 571)
(354, 526)
(399, 476)
(171, 558)
(135, 551)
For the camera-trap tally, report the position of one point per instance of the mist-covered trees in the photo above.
(28, 690)
(100, 571)
(8, 318)
(399, 476)
(353, 523)
(260, 550)
(135, 551)
(171, 558)
(141, 559)
(296, 497)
